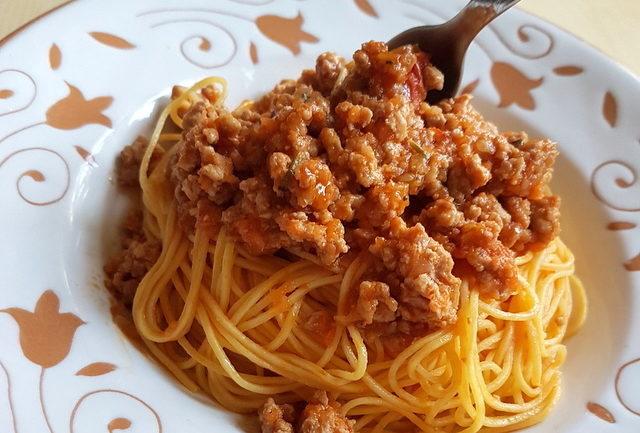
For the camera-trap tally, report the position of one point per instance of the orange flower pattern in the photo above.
(610, 109)
(45, 334)
(112, 41)
(118, 424)
(285, 31)
(469, 88)
(513, 86)
(366, 7)
(96, 369)
(601, 412)
(6, 93)
(633, 264)
(55, 57)
(75, 111)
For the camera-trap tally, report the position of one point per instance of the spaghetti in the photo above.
(231, 324)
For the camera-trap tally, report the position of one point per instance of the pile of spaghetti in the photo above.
(339, 243)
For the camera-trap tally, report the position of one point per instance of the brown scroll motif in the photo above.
(13, 84)
(219, 46)
(49, 162)
(624, 176)
(626, 398)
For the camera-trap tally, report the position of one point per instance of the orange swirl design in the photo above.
(524, 34)
(112, 391)
(31, 99)
(203, 46)
(617, 386)
(9, 399)
(600, 193)
(38, 176)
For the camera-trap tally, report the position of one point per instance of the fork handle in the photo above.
(475, 16)
(498, 6)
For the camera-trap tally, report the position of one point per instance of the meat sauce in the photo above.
(349, 161)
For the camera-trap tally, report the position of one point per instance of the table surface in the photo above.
(611, 26)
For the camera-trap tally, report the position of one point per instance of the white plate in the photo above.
(80, 83)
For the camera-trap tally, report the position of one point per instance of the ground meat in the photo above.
(276, 418)
(128, 266)
(322, 324)
(375, 303)
(126, 269)
(330, 68)
(545, 220)
(349, 161)
(326, 235)
(128, 162)
(321, 415)
(428, 291)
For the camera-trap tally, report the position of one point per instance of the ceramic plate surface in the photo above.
(82, 82)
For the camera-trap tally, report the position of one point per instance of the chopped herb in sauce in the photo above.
(418, 149)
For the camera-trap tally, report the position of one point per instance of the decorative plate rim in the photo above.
(48, 304)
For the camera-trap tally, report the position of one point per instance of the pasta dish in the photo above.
(340, 256)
